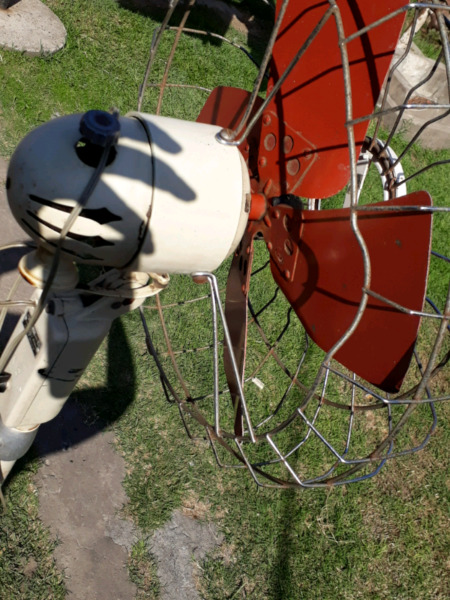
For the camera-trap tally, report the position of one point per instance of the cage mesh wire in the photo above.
(309, 421)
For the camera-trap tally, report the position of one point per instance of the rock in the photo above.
(31, 27)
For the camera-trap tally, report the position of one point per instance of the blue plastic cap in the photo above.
(99, 127)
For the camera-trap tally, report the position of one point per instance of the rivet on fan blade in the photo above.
(288, 144)
(267, 120)
(270, 141)
(262, 162)
(293, 166)
(289, 247)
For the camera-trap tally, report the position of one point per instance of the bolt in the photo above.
(287, 274)
(269, 246)
(267, 120)
(276, 214)
(262, 162)
(267, 221)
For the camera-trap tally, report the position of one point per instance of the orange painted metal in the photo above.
(300, 147)
(236, 313)
(318, 264)
(258, 207)
(304, 145)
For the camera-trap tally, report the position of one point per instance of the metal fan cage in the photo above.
(308, 421)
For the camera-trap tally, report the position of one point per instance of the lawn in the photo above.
(382, 539)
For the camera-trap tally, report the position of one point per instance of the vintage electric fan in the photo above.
(315, 353)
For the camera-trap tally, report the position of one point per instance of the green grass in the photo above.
(27, 567)
(384, 539)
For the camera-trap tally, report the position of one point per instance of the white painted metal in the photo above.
(53, 355)
(172, 200)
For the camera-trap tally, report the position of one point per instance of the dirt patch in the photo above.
(178, 547)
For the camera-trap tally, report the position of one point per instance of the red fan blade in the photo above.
(318, 264)
(236, 312)
(304, 145)
(225, 107)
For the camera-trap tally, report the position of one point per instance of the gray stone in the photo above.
(31, 27)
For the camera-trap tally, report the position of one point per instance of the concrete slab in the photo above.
(80, 494)
(9, 228)
(409, 74)
(31, 27)
(10, 232)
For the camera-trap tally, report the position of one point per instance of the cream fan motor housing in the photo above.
(171, 198)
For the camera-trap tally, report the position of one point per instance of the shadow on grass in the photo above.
(281, 579)
(252, 17)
